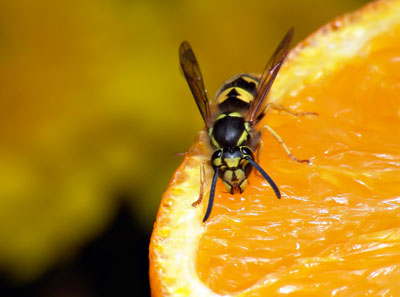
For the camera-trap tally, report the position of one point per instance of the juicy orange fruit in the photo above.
(336, 230)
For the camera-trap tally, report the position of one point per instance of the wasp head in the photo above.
(233, 166)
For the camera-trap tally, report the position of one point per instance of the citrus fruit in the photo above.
(336, 230)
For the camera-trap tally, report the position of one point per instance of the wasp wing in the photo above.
(194, 78)
(267, 78)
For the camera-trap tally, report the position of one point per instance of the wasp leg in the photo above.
(281, 108)
(260, 148)
(280, 140)
(202, 182)
(177, 155)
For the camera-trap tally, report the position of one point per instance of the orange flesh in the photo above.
(337, 226)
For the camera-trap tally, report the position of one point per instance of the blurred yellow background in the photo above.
(94, 107)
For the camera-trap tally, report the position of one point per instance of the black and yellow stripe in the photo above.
(237, 93)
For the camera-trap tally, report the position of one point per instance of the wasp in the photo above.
(231, 120)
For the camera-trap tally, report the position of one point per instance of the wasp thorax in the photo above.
(229, 130)
(233, 166)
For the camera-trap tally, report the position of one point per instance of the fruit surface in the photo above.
(335, 232)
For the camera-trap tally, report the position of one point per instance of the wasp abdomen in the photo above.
(237, 93)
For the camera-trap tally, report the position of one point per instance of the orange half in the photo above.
(336, 230)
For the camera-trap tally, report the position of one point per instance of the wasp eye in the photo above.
(245, 151)
(217, 154)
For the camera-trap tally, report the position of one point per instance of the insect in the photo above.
(231, 119)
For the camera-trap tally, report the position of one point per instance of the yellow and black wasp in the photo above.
(230, 120)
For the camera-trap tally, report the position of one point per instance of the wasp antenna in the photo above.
(266, 176)
(212, 194)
